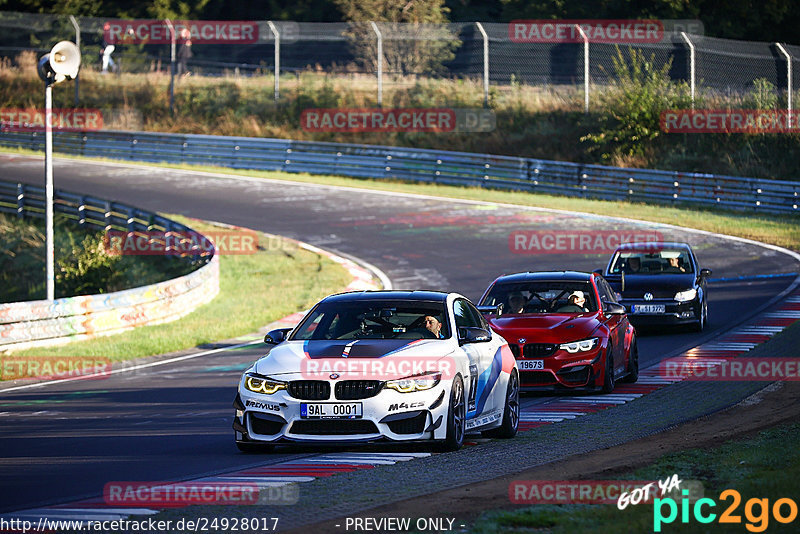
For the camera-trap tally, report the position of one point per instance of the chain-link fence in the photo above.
(724, 71)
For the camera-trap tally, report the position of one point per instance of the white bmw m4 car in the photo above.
(380, 365)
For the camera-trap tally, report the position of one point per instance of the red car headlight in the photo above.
(583, 345)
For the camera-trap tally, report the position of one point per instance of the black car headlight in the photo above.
(262, 384)
(685, 296)
(415, 383)
(583, 345)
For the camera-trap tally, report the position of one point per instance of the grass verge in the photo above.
(758, 468)
(781, 230)
(255, 290)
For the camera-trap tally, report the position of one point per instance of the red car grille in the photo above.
(536, 378)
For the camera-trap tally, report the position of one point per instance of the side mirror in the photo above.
(472, 334)
(274, 337)
(598, 271)
(612, 308)
(705, 273)
(491, 310)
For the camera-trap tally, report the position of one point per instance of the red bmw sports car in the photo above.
(566, 329)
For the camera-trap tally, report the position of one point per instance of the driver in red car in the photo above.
(577, 303)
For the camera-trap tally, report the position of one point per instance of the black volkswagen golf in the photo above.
(659, 284)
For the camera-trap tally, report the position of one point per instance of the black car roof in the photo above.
(652, 244)
(549, 276)
(436, 296)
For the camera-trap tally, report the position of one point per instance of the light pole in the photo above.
(63, 62)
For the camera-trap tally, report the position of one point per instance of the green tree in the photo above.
(416, 38)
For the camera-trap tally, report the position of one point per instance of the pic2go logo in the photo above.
(756, 511)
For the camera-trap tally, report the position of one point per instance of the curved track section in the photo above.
(173, 422)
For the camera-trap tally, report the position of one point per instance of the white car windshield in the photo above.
(374, 319)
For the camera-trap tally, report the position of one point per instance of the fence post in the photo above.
(78, 44)
(485, 64)
(788, 78)
(171, 66)
(380, 63)
(691, 64)
(585, 69)
(277, 35)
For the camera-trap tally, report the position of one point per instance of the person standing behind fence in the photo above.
(184, 52)
(106, 49)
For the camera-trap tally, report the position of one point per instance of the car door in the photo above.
(465, 316)
(615, 323)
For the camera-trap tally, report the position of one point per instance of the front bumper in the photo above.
(562, 370)
(388, 415)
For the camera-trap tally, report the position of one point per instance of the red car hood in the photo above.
(545, 328)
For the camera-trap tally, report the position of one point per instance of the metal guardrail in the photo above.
(424, 165)
(44, 322)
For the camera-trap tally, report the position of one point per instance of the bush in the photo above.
(633, 105)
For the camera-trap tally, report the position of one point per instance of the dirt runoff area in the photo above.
(777, 404)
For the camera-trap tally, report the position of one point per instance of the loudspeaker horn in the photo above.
(63, 62)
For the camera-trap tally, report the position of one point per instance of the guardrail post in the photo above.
(107, 215)
(691, 64)
(788, 78)
(172, 39)
(78, 44)
(585, 68)
(82, 212)
(485, 64)
(277, 36)
(380, 63)
(20, 201)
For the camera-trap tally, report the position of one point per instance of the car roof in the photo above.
(353, 296)
(651, 245)
(549, 276)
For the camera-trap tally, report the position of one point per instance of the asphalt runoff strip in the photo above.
(350, 493)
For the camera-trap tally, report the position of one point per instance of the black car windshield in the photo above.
(542, 297)
(659, 261)
(374, 319)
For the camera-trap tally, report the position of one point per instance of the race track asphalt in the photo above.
(66, 441)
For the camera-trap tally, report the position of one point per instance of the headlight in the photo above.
(260, 384)
(415, 383)
(683, 296)
(579, 346)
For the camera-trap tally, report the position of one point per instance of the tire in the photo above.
(251, 447)
(608, 373)
(510, 423)
(633, 364)
(700, 325)
(456, 417)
